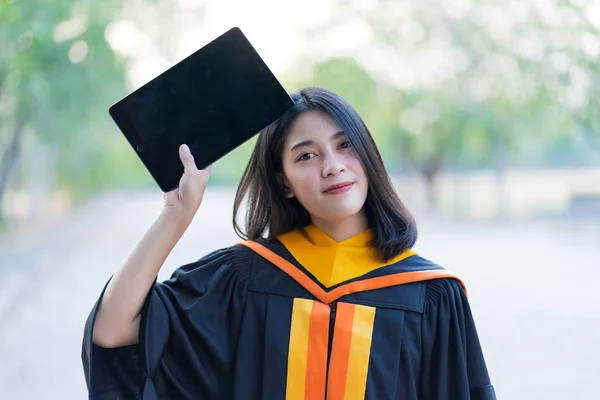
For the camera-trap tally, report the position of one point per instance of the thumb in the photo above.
(187, 159)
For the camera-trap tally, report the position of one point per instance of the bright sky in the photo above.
(273, 27)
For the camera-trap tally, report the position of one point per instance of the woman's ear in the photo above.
(284, 185)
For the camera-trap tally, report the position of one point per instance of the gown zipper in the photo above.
(330, 341)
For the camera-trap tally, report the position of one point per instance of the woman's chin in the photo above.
(338, 213)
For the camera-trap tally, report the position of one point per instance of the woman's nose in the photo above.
(333, 166)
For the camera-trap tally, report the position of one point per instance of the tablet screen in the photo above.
(214, 100)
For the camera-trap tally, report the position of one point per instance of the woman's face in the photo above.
(322, 170)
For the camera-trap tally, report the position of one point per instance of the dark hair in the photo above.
(394, 228)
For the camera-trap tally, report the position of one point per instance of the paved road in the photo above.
(533, 289)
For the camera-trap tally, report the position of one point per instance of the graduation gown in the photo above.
(251, 322)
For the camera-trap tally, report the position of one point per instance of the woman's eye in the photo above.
(346, 144)
(305, 156)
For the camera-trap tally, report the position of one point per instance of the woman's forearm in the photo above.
(118, 319)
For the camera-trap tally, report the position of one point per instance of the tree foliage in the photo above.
(57, 77)
(473, 84)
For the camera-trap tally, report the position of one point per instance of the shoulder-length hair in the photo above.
(270, 213)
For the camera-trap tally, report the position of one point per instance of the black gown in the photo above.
(249, 322)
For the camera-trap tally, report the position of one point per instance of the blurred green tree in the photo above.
(57, 76)
(496, 83)
(572, 71)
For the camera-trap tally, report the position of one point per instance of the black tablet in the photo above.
(214, 100)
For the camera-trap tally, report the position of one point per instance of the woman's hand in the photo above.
(184, 201)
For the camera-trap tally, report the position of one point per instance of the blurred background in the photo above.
(487, 114)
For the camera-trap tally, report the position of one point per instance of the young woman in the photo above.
(324, 300)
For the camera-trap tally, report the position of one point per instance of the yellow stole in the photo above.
(333, 262)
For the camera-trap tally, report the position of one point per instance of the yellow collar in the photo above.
(332, 262)
(320, 239)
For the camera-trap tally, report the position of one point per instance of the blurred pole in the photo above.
(499, 166)
(9, 160)
(39, 171)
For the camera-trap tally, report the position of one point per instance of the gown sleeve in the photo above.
(188, 330)
(452, 366)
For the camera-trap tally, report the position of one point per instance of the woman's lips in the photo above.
(341, 189)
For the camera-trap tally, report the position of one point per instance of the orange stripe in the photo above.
(360, 352)
(390, 280)
(316, 365)
(349, 288)
(298, 349)
(289, 268)
(340, 351)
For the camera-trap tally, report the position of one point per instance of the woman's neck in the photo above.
(340, 230)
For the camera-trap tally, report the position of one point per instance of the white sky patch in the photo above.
(277, 29)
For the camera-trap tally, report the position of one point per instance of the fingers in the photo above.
(187, 159)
